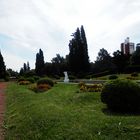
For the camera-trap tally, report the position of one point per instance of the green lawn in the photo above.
(64, 114)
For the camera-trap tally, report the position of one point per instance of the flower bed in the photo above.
(90, 87)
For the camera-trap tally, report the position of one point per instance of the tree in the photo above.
(28, 66)
(39, 65)
(25, 69)
(2, 67)
(135, 58)
(104, 62)
(120, 60)
(78, 55)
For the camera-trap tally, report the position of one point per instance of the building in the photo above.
(127, 47)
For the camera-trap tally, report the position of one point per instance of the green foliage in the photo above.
(104, 62)
(78, 55)
(45, 81)
(2, 67)
(21, 79)
(122, 96)
(135, 58)
(72, 77)
(134, 74)
(30, 79)
(111, 77)
(40, 64)
(36, 78)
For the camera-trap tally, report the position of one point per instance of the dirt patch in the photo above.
(2, 108)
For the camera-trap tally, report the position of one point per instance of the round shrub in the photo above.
(30, 79)
(45, 81)
(121, 96)
(111, 77)
(134, 74)
(36, 78)
(21, 79)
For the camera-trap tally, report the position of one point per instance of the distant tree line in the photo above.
(77, 61)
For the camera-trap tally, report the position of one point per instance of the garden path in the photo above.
(2, 108)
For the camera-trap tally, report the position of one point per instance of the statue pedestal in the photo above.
(66, 79)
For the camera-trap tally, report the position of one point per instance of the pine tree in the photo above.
(78, 55)
(39, 65)
(28, 66)
(2, 67)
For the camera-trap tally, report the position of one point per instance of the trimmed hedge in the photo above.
(121, 96)
(112, 77)
(45, 81)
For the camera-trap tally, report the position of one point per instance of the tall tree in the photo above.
(39, 65)
(78, 55)
(104, 62)
(2, 67)
(135, 58)
(28, 66)
(120, 60)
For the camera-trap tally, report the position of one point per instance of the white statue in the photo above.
(66, 79)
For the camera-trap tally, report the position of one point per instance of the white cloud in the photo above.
(48, 24)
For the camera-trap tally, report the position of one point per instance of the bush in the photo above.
(39, 88)
(24, 82)
(36, 78)
(130, 78)
(71, 77)
(45, 81)
(111, 77)
(21, 79)
(121, 96)
(134, 74)
(90, 87)
(30, 80)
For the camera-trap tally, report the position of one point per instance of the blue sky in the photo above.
(27, 25)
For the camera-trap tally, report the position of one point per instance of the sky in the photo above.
(28, 25)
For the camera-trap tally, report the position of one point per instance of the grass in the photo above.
(62, 113)
(121, 76)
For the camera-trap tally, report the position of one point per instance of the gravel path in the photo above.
(2, 108)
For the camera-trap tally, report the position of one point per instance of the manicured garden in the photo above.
(64, 112)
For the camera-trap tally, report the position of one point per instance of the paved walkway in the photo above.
(2, 108)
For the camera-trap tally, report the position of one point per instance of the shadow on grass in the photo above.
(109, 112)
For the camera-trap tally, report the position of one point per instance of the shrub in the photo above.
(24, 82)
(90, 88)
(81, 84)
(121, 96)
(36, 78)
(30, 80)
(130, 78)
(40, 87)
(111, 77)
(45, 81)
(6, 78)
(72, 77)
(56, 76)
(134, 74)
(21, 79)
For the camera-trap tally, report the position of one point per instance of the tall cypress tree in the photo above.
(2, 67)
(78, 55)
(39, 65)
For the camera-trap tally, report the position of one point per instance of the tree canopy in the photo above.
(2, 67)
(78, 55)
(40, 64)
